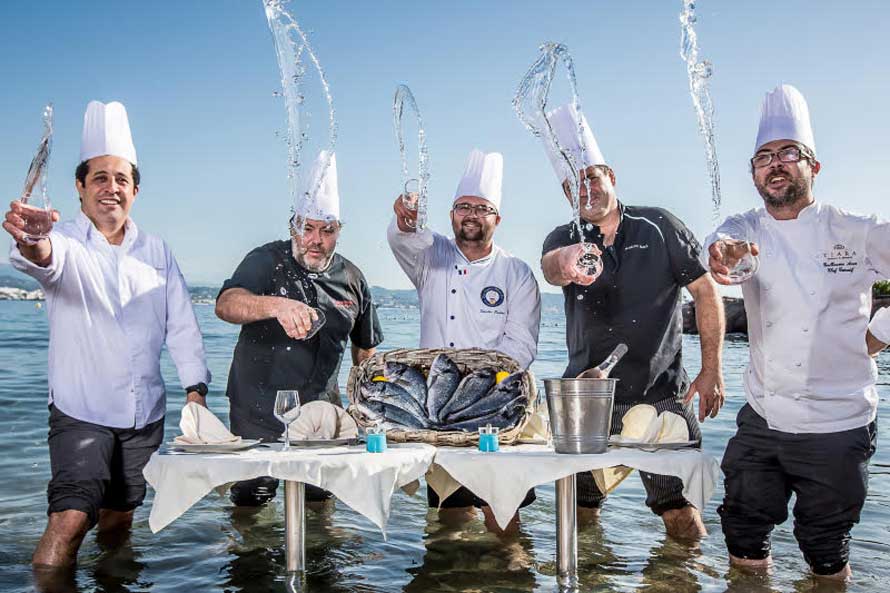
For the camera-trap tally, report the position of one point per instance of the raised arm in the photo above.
(240, 306)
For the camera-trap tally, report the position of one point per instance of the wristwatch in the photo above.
(201, 388)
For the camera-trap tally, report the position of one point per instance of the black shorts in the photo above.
(663, 493)
(828, 472)
(96, 467)
(462, 497)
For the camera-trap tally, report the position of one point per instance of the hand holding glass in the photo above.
(589, 262)
(287, 409)
(317, 323)
(410, 197)
(739, 257)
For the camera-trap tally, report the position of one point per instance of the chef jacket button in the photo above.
(455, 267)
(451, 344)
(766, 287)
(769, 323)
(452, 317)
(796, 396)
(806, 329)
(453, 290)
(812, 292)
(797, 364)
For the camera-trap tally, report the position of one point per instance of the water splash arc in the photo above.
(37, 171)
(405, 98)
(291, 43)
(531, 104)
(699, 73)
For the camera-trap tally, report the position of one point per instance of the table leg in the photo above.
(295, 526)
(566, 533)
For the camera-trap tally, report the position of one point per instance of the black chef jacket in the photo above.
(636, 300)
(267, 360)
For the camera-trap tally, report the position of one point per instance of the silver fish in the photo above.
(442, 382)
(393, 414)
(471, 389)
(395, 395)
(504, 392)
(409, 379)
(504, 418)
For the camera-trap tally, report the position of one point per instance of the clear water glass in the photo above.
(589, 263)
(410, 197)
(287, 409)
(38, 220)
(317, 323)
(746, 266)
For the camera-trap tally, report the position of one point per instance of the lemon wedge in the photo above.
(501, 376)
(378, 378)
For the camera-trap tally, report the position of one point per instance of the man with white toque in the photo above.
(472, 293)
(273, 295)
(115, 297)
(648, 257)
(808, 427)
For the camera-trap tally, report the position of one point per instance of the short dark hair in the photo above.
(83, 169)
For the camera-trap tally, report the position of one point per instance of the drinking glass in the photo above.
(410, 197)
(287, 409)
(317, 323)
(747, 264)
(589, 263)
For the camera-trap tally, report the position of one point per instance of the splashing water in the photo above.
(699, 72)
(40, 221)
(290, 46)
(404, 97)
(531, 106)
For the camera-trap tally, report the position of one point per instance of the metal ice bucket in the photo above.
(580, 413)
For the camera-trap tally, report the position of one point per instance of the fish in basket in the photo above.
(441, 396)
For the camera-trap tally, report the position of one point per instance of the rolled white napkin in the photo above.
(200, 427)
(321, 420)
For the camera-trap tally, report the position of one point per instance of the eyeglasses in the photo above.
(480, 210)
(791, 154)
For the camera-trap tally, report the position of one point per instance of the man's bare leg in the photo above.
(61, 540)
(840, 576)
(456, 516)
(492, 525)
(114, 520)
(684, 524)
(750, 563)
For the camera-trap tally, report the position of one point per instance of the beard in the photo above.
(470, 233)
(795, 190)
(315, 264)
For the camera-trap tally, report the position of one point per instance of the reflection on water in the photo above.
(208, 549)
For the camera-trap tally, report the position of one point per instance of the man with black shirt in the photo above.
(272, 295)
(648, 256)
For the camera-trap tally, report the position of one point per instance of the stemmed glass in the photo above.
(410, 197)
(747, 264)
(287, 409)
(589, 263)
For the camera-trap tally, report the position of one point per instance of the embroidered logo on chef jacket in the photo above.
(839, 259)
(492, 296)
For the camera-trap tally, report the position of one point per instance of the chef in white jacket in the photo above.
(472, 293)
(809, 424)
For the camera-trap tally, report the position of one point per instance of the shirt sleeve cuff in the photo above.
(44, 275)
(879, 326)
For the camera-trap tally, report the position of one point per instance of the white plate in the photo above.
(214, 448)
(318, 443)
(617, 441)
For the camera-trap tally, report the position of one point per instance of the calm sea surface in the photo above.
(209, 550)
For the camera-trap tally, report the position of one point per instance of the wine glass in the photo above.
(589, 263)
(287, 409)
(746, 265)
(410, 197)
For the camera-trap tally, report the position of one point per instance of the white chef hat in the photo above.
(483, 177)
(785, 116)
(106, 131)
(575, 138)
(320, 189)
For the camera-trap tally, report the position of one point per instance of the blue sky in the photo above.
(197, 78)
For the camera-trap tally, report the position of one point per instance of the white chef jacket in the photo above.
(111, 309)
(490, 303)
(808, 308)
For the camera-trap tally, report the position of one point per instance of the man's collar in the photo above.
(90, 231)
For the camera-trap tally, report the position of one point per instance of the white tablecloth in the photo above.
(364, 481)
(503, 478)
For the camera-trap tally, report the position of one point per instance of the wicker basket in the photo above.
(467, 361)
